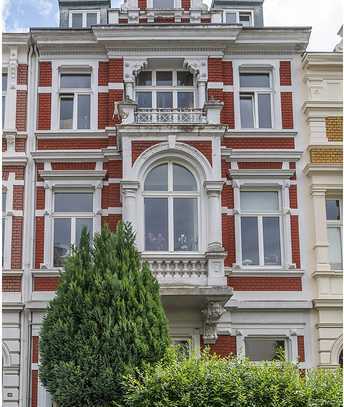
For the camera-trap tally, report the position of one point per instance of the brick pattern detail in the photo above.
(40, 198)
(17, 242)
(295, 240)
(20, 145)
(293, 196)
(34, 388)
(45, 74)
(11, 284)
(73, 166)
(215, 70)
(224, 168)
(123, 21)
(265, 283)
(113, 169)
(184, 20)
(21, 110)
(227, 197)
(227, 114)
(39, 167)
(111, 196)
(18, 197)
(285, 73)
(39, 242)
(186, 4)
(301, 348)
(44, 111)
(116, 70)
(204, 147)
(259, 142)
(164, 20)
(224, 346)
(103, 110)
(45, 283)
(227, 72)
(18, 170)
(142, 4)
(205, 20)
(260, 165)
(228, 238)
(334, 128)
(35, 349)
(103, 73)
(287, 110)
(22, 74)
(111, 221)
(332, 156)
(114, 96)
(63, 144)
(138, 147)
(143, 20)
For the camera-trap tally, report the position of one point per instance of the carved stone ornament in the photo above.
(211, 316)
(198, 67)
(132, 67)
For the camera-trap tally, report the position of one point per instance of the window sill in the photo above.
(263, 272)
(173, 255)
(258, 132)
(70, 133)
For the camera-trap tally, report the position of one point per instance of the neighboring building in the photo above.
(185, 121)
(323, 163)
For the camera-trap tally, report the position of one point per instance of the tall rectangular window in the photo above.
(77, 20)
(73, 211)
(260, 228)
(334, 232)
(255, 100)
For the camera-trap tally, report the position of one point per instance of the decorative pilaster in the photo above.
(131, 68)
(199, 67)
(129, 194)
(214, 189)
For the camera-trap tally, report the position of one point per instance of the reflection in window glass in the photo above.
(272, 245)
(144, 78)
(157, 179)
(185, 100)
(335, 248)
(76, 20)
(169, 4)
(4, 82)
(259, 349)
(4, 201)
(144, 99)
(62, 240)
(246, 111)
(184, 78)
(82, 223)
(183, 180)
(185, 224)
(259, 201)
(332, 209)
(245, 19)
(75, 81)
(91, 19)
(84, 108)
(254, 80)
(156, 224)
(164, 78)
(73, 202)
(264, 111)
(249, 241)
(66, 112)
(164, 100)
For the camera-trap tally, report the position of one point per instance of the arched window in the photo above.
(171, 202)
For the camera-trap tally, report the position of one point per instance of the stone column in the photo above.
(202, 86)
(129, 195)
(214, 189)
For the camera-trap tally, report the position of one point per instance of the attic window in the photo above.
(163, 4)
(239, 17)
(83, 18)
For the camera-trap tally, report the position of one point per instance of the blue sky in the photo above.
(325, 16)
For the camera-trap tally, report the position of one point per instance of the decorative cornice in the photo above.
(260, 173)
(262, 155)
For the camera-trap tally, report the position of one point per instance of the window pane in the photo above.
(144, 78)
(258, 349)
(144, 99)
(246, 111)
(231, 18)
(183, 180)
(254, 80)
(80, 224)
(73, 202)
(335, 248)
(4, 82)
(332, 209)
(272, 244)
(84, 107)
(249, 241)
(245, 19)
(163, 4)
(185, 100)
(185, 224)
(75, 80)
(76, 20)
(184, 78)
(164, 100)
(157, 179)
(66, 112)
(3, 110)
(259, 201)
(156, 224)
(164, 78)
(264, 111)
(62, 240)
(4, 201)
(91, 19)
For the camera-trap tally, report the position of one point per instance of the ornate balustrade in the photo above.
(170, 116)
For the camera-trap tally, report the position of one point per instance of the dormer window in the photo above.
(163, 4)
(83, 19)
(239, 17)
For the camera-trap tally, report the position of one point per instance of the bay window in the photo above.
(255, 100)
(171, 204)
(334, 232)
(72, 212)
(75, 100)
(261, 349)
(260, 224)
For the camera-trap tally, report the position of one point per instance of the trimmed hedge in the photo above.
(214, 382)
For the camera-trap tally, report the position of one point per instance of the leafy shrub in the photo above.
(232, 382)
(106, 319)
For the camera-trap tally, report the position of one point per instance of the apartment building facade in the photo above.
(185, 121)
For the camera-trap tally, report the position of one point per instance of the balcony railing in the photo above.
(170, 116)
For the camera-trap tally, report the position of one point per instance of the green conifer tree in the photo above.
(105, 320)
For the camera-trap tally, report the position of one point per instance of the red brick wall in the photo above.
(260, 165)
(295, 242)
(116, 70)
(225, 345)
(142, 4)
(74, 166)
(227, 197)
(70, 144)
(227, 114)
(20, 144)
(21, 110)
(138, 147)
(22, 76)
(186, 4)
(18, 170)
(228, 238)
(205, 20)
(34, 388)
(103, 110)
(17, 242)
(111, 196)
(261, 143)
(293, 196)
(44, 111)
(111, 221)
(205, 147)
(39, 242)
(301, 348)
(11, 284)
(215, 70)
(285, 73)
(45, 74)
(40, 198)
(265, 283)
(103, 73)
(35, 349)
(164, 20)
(287, 110)
(123, 21)
(18, 197)
(227, 72)
(45, 283)
(113, 168)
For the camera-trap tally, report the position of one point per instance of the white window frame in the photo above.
(336, 224)
(84, 17)
(72, 215)
(177, 5)
(287, 344)
(237, 15)
(284, 240)
(4, 94)
(255, 92)
(75, 93)
(174, 88)
(171, 195)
